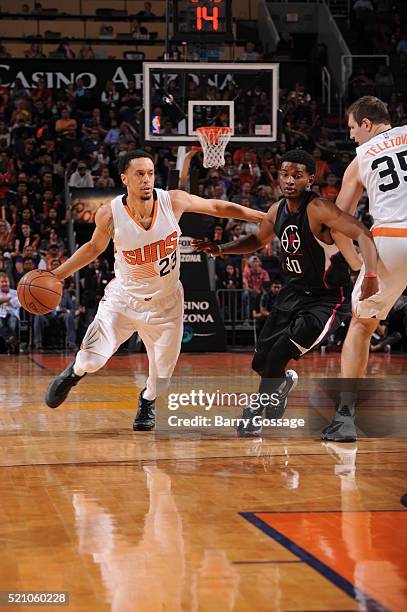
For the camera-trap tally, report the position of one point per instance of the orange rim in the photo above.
(212, 133)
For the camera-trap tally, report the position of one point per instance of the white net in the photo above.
(213, 142)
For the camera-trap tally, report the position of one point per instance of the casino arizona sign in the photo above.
(60, 73)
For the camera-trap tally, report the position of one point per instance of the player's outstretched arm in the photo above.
(330, 215)
(90, 250)
(245, 244)
(185, 202)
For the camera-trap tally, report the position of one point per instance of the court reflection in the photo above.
(151, 573)
(369, 547)
(146, 576)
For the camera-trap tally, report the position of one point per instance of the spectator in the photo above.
(65, 124)
(34, 51)
(110, 96)
(3, 52)
(28, 265)
(112, 136)
(9, 314)
(229, 278)
(64, 50)
(331, 188)
(63, 315)
(138, 30)
(321, 167)
(86, 53)
(146, 13)
(249, 54)
(94, 281)
(6, 236)
(81, 177)
(105, 181)
(263, 303)
(254, 276)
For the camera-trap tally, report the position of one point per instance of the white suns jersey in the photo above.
(383, 170)
(146, 261)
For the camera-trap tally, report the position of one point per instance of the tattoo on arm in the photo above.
(110, 227)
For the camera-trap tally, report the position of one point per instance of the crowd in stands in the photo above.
(77, 135)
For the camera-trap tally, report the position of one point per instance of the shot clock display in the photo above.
(203, 20)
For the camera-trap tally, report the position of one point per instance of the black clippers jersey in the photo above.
(307, 261)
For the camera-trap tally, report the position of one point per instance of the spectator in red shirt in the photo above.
(321, 167)
(254, 276)
(331, 189)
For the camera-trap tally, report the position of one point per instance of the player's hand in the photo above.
(370, 286)
(204, 246)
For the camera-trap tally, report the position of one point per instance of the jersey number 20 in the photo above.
(389, 169)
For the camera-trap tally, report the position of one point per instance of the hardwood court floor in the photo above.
(133, 522)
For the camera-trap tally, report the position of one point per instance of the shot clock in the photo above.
(203, 20)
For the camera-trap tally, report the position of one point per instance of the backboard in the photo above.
(182, 96)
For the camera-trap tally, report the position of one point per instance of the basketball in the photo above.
(39, 291)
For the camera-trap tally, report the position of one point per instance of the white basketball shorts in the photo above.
(159, 323)
(391, 245)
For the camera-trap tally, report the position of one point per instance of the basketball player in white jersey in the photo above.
(146, 294)
(380, 167)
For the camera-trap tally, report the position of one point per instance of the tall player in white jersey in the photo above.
(380, 167)
(146, 294)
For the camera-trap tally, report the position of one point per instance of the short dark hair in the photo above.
(125, 159)
(298, 156)
(369, 107)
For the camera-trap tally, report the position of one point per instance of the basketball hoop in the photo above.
(213, 142)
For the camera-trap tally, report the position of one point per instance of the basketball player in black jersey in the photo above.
(316, 297)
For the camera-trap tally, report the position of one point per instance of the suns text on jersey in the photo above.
(151, 253)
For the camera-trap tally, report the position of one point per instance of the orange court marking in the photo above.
(369, 549)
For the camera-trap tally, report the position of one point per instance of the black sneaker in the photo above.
(145, 417)
(342, 428)
(249, 428)
(59, 388)
(290, 382)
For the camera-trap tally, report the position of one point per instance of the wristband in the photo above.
(370, 275)
(220, 249)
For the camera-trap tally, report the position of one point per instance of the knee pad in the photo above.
(87, 362)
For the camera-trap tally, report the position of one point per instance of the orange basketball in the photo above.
(39, 291)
